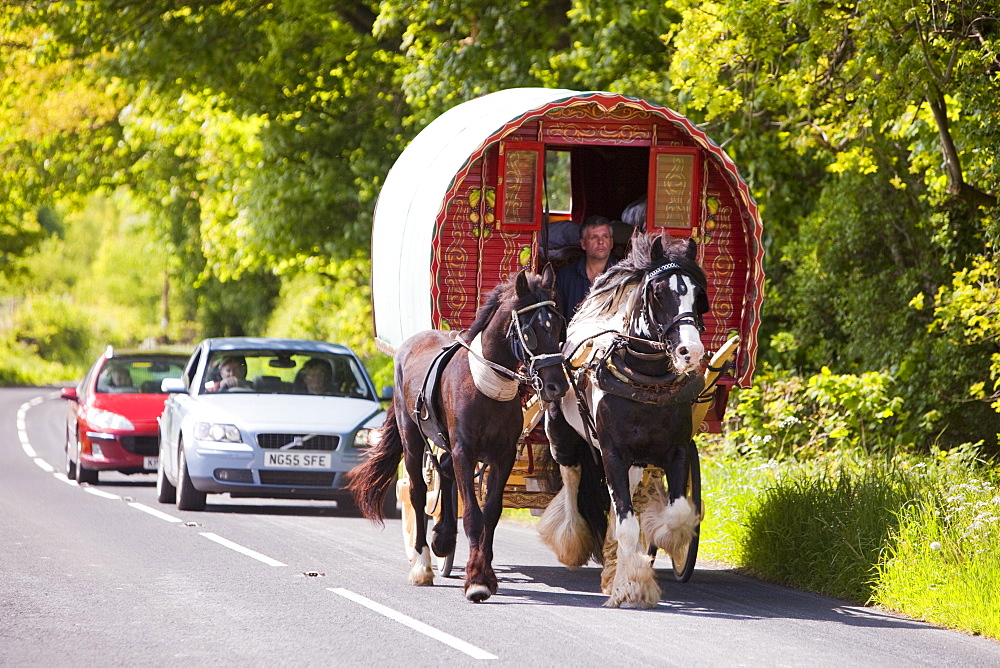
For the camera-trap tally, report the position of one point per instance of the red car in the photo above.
(111, 424)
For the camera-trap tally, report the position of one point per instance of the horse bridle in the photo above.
(524, 341)
(686, 318)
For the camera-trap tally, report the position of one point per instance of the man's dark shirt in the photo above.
(572, 286)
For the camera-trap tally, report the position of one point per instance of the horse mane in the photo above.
(496, 299)
(618, 281)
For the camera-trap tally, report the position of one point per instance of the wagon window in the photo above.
(558, 190)
(520, 198)
(675, 183)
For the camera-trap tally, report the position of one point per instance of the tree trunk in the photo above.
(952, 164)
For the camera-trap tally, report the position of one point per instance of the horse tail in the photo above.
(593, 500)
(372, 479)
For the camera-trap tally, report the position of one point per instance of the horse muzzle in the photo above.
(688, 352)
(548, 378)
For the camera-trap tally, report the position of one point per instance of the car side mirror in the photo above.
(69, 393)
(386, 393)
(172, 385)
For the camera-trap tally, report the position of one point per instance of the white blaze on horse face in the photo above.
(689, 350)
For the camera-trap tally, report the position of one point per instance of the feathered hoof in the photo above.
(477, 593)
(635, 584)
(672, 527)
(563, 529)
(420, 569)
(422, 577)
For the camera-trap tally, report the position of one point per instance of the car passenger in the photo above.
(232, 374)
(315, 377)
(115, 376)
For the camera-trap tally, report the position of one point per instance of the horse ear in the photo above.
(656, 250)
(521, 284)
(692, 250)
(548, 277)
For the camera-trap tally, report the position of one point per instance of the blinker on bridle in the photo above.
(528, 341)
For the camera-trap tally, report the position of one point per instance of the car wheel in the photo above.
(165, 492)
(70, 463)
(188, 498)
(83, 475)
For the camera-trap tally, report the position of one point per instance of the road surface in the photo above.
(104, 574)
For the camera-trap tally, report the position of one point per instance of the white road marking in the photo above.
(22, 429)
(242, 550)
(414, 624)
(44, 465)
(22, 434)
(101, 493)
(154, 512)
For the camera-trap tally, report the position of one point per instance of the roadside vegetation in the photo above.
(867, 518)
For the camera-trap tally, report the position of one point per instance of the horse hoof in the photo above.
(422, 579)
(477, 593)
(421, 575)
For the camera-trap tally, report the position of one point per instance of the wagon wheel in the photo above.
(684, 558)
(432, 476)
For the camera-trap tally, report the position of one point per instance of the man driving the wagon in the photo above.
(574, 280)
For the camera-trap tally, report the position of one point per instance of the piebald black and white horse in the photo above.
(629, 406)
(473, 412)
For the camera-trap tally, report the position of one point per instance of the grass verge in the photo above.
(918, 536)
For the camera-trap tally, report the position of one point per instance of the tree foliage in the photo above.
(257, 136)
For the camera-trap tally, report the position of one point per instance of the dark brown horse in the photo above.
(630, 405)
(474, 414)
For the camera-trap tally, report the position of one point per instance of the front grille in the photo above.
(322, 442)
(296, 478)
(141, 445)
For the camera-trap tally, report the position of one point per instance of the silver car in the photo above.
(263, 417)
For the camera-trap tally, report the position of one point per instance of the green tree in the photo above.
(886, 113)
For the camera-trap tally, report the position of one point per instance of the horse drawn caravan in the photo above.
(480, 194)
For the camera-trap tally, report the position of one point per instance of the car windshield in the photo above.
(286, 372)
(138, 374)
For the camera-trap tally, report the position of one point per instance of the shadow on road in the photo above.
(720, 593)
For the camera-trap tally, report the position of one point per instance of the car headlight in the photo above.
(220, 433)
(103, 420)
(367, 438)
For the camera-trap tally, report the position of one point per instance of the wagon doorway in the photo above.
(584, 181)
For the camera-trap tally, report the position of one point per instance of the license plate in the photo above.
(298, 460)
(150, 463)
